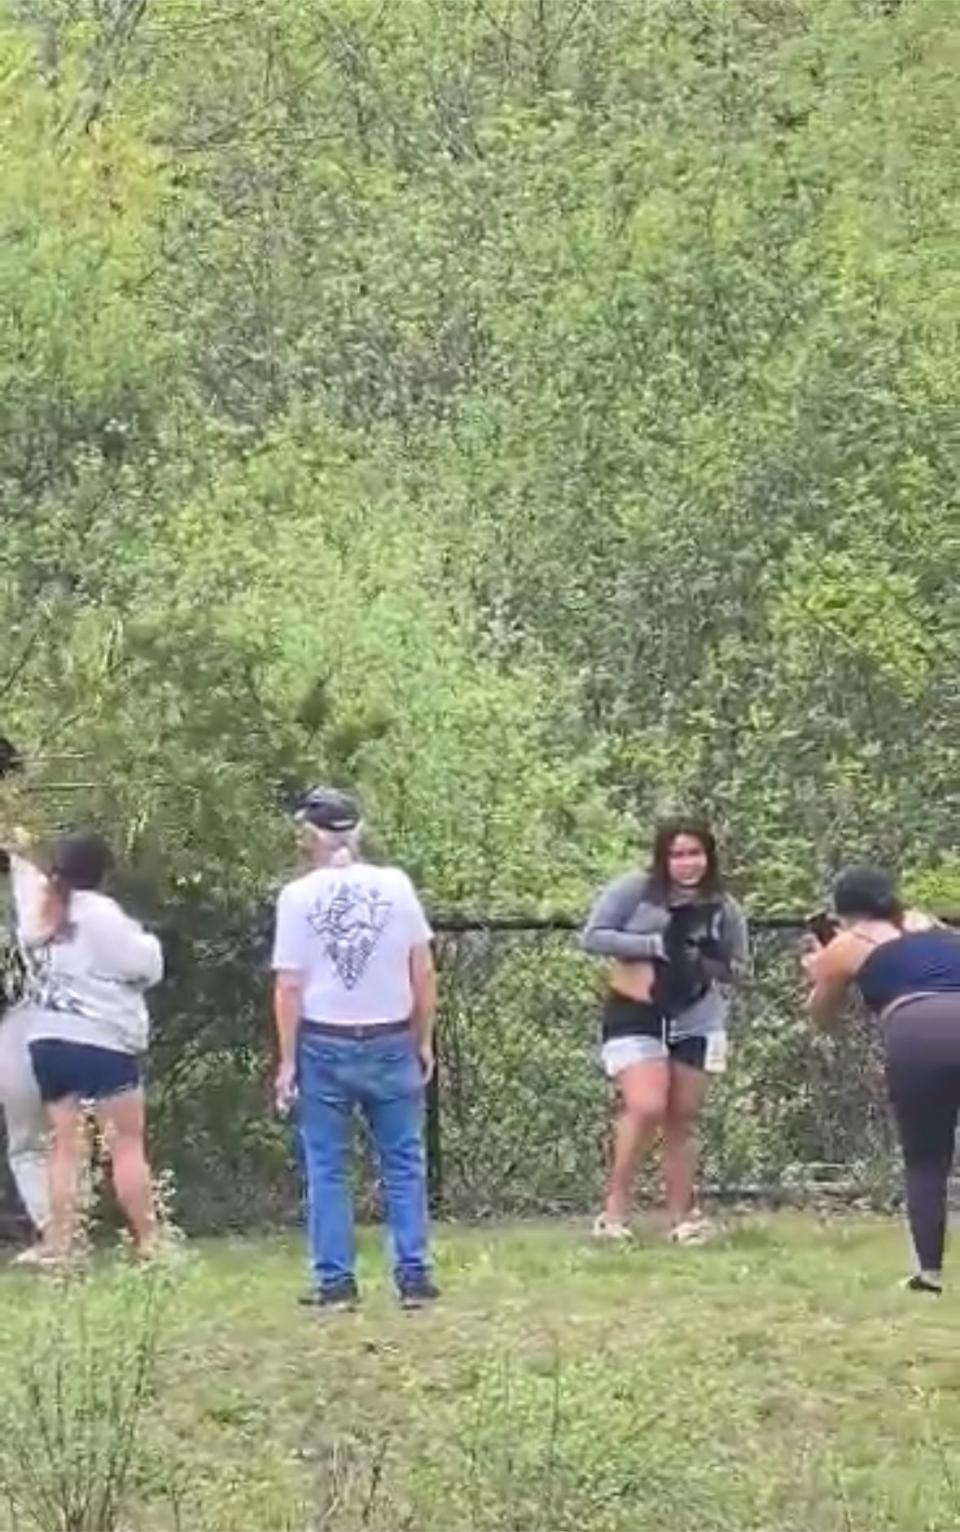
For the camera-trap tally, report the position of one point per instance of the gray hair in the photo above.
(334, 848)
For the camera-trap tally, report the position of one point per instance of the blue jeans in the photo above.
(382, 1077)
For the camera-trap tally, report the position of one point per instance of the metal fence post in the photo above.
(434, 1146)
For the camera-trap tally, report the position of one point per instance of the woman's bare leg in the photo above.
(67, 1143)
(642, 1092)
(122, 1120)
(681, 1144)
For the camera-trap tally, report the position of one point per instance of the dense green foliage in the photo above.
(537, 412)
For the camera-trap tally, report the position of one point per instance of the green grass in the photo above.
(776, 1379)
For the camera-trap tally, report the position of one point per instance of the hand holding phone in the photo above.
(823, 926)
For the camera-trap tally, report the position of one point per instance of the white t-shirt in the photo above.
(350, 931)
(86, 986)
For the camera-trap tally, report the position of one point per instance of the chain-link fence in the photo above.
(522, 1113)
(519, 1115)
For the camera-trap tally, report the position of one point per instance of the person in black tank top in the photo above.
(907, 969)
(920, 963)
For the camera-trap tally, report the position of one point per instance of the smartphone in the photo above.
(823, 926)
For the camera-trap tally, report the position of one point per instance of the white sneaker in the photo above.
(34, 1255)
(615, 1230)
(37, 1257)
(693, 1230)
(922, 1282)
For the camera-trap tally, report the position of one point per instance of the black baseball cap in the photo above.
(326, 808)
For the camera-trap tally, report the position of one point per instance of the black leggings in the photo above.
(923, 1078)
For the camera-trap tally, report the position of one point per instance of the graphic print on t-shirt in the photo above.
(350, 925)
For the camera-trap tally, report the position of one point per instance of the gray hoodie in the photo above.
(87, 987)
(628, 922)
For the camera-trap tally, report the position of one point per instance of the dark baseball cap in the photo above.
(326, 808)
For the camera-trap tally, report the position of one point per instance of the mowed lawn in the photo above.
(776, 1379)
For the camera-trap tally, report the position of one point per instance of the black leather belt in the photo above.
(363, 1032)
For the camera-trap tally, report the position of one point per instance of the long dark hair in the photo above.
(665, 835)
(80, 861)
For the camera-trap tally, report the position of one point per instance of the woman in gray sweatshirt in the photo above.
(677, 942)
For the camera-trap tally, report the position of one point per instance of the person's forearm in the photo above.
(824, 1008)
(733, 954)
(286, 1015)
(422, 1021)
(624, 924)
(30, 898)
(628, 946)
(423, 1015)
(423, 1028)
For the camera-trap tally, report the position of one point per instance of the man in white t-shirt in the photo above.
(354, 1003)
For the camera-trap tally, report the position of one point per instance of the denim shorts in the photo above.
(698, 1050)
(65, 1069)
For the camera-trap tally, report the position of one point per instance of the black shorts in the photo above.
(691, 1051)
(625, 1017)
(63, 1069)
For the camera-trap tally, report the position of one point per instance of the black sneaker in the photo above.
(339, 1295)
(417, 1292)
(919, 1284)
